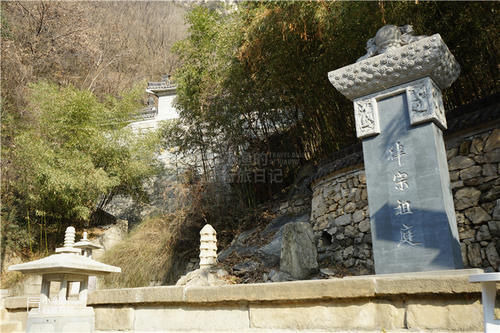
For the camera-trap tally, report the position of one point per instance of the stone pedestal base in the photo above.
(61, 320)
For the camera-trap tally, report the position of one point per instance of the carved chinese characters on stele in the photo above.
(399, 114)
(410, 215)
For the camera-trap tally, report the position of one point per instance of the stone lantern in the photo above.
(86, 246)
(59, 313)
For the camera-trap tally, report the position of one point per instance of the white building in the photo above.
(149, 117)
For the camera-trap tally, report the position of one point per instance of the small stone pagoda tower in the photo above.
(59, 313)
(208, 247)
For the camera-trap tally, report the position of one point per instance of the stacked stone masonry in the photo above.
(340, 216)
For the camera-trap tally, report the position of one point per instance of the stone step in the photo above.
(10, 327)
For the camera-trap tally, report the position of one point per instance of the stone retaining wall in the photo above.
(442, 301)
(340, 218)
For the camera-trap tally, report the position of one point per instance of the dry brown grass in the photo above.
(147, 254)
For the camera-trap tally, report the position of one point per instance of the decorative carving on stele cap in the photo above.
(394, 56)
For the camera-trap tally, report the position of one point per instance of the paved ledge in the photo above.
(437, 282)
(416, 302)
(165, 294)
(368, 286)
(15, 302)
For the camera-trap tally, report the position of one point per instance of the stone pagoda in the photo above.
(67, 268)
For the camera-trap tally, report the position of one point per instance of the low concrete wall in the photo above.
(438, 301)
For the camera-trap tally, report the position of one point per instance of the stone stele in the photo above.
(399, 113)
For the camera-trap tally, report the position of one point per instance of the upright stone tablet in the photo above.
(400, 116)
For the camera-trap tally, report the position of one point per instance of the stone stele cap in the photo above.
(425, 57)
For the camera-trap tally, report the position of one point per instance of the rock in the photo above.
(364, 226)
(489, 170)
(350, 231)
(496, 211)
(348, 252)
(454, 175)
(492, 156)
(493, 141)
(483, 233)
(317, 205)
(337, 256)
(207, 277)
(245, 267)
(363, 251)
(450, 153)
(364, 194)
(461, 219)
(281, 277)
(349, 262)
(457, 184)
(362, 204)
(332, 207)
(350, 207)
(472, 181)
(332, 231)
(275, 276)
(327, 271)
(298, 251)
(362, 178)
(466, 197)
(280, 221)
(474, 255)
(492, 194)
(367, 238)
(467, 234)
(464, 148)
(343, 220)
(477, 215)
(480, 159)
(463, 250)
(355, 181)
(460, 162)
(470, 172)
(271, 252)
(113, 234)
(492, 255)
(299, 202)
(476, 146)
(358, 216)
(321, 223)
